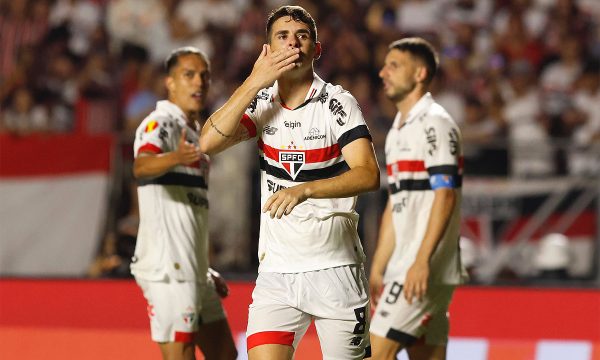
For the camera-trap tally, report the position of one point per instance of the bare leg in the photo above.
(177, 351)
(383, 348)
(271, 352)
(427, 352)
(215, 341)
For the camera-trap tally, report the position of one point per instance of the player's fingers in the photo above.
(269, 201)
(290, 207)
(289, 60)
(408, 292)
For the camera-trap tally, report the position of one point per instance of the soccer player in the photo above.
(417, 262)
(315, 155)
(171, 256)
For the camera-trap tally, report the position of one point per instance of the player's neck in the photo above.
(293, 89)
(193, 120)
(405, 105)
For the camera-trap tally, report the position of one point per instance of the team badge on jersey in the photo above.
(292, 162)
(151, 126)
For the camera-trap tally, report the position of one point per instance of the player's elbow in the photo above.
(372, 180)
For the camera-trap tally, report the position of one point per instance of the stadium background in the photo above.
(521, 77)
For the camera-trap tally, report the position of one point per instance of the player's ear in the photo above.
(169, 83)
(318, 50)
(421, 73)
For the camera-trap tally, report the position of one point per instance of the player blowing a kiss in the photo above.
(315, 155)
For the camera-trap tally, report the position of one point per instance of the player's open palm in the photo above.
(271, 64)
(187, 153)
(283, 201)
(416, 281)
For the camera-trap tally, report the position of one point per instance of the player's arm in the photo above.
(418, 274)
(385, 247)
(148, 164)
(222, 129)
(363, 176)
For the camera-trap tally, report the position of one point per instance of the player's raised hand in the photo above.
(187, 153)
(271, 64)
(283, 201)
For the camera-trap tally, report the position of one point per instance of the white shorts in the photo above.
(283, 306)
(425, 320)
(176, 308)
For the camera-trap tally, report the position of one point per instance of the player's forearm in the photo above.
(386, 242)
(355, 181)
(219, 131)
(146, 166)
(440, 214)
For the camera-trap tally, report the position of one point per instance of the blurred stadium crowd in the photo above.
(521, 77)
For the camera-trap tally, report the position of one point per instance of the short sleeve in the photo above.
(250, 119)
(443, 150)
(347, 121)
(152, 135)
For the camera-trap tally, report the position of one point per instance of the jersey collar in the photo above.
(418, 108)
(316, 88)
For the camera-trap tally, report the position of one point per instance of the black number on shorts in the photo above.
(394, 293)
(361, 317)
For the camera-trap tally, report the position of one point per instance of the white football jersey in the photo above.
(172, 238)
(300, 145)
(423, 154)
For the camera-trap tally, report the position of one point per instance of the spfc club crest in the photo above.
(292, 162)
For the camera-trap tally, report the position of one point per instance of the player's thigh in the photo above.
(342, 311)
(215, 341)
(172, 309)
(383, 348)
(422, 351)
(405, 323)
(272, 317)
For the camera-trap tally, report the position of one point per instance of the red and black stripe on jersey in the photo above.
(313, 156)
(413, 166)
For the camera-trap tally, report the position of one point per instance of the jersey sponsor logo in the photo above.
(163, 134)
(453, 134)
(399, 206)
(431, 140)
(274, 187)
(270, 130)
(197, 200)
(292, 162)
(292, 124)
(337, 109)
(153, 124)
(314, 134)
(323, 97)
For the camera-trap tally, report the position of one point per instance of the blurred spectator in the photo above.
(23, 116)
(151, 88)
(531, 153)
(82, 19)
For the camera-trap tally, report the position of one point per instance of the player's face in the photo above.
(399, 74)
(188, 83)
(286, 33)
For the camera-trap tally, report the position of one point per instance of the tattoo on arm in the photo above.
(217, 129)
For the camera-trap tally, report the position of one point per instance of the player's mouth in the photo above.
(197, 95)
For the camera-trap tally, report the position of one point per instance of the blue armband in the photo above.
(439, 181)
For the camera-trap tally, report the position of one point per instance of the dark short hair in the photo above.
(422, 50)
(297, 13)
(174, 56)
